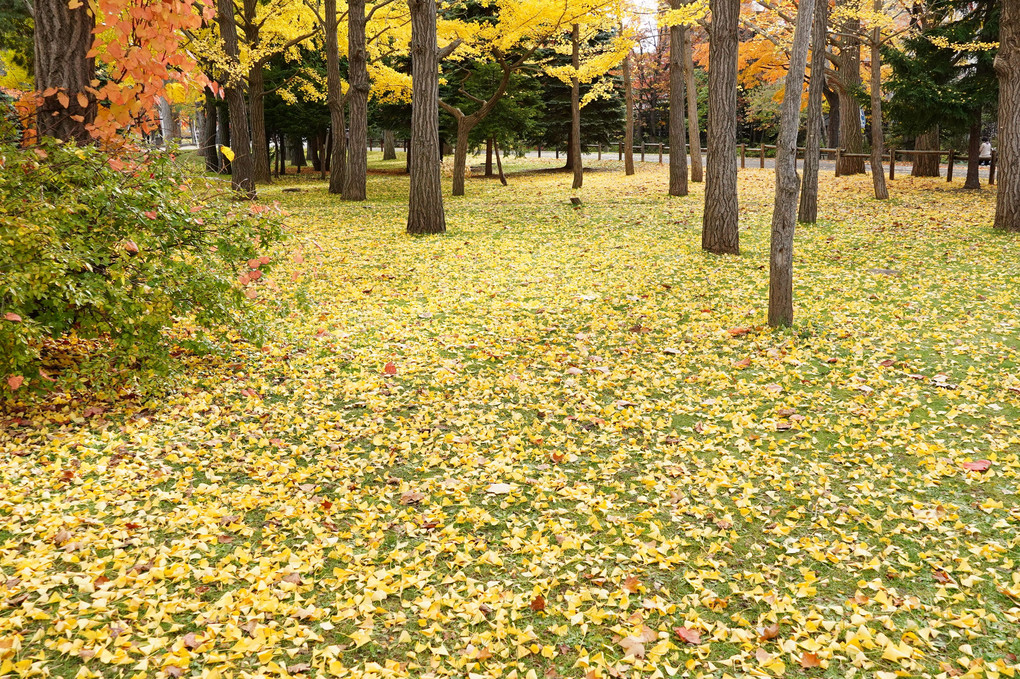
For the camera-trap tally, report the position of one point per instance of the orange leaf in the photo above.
(770, 632)
(390, 369)
(631, 585)
(809, 660)
(691, 636)
(83, 100)
(738, 332)
(977, 465)
(15, 381)
(12, 317)
(538, 603)
(64, 100)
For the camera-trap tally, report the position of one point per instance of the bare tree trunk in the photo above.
(209, 148)
(784, 213)
(877, 135)
(313, 152)
(499, 164)
(973, 153)
(677, 143)
(355, 183)
(628, 132)
(257, 113)
(927, 165)
(1007, 67)
(488, 157)
(63, 38)
(335, 102)
(242, 168)
(425, 206)
(808, 211)
(720, 228)
(693, 133)
(832, 98)
(389, 146)
(575, 107)
(848, 75)
(166, 120)
(460, 154)
(223, 139)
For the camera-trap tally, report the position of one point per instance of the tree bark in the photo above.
(166, 123)
(63, 38)
(460, 154)
(335, 101)
(832, 98)
(1007, 67)
(927, 165)
(784, 213)
(693, 133)
(425, 205)
(488, 157)
(720, 227)
(677, 141)
(242, 168)
(877, 134)
(313, 152)
(389, 146)
(257, 114)
(575, 107)
(848, 77)
(808, 209)
(209, 148)
(973, 152)
(223, 139)
(355, 183)
(628, 132)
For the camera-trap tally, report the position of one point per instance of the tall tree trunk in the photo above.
(720, 227)
(335, 101)
(784, 213)
(389, 146)
(242, 168)
(832, 98)
(973, 153)
(1007, 67)
(488, 157)
(63, 38)
(313, 152)
(211, 151)
(927, 165)
(628, 131)
(166, 123)
(677, 142)
(877, 134)
(575, 107)
(257, 113)
(355, 183)
(460, 151)
(693, 133)
(223, 139)
(808, 210)
(848, 75)
(425, 204)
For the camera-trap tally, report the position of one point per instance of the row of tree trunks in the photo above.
(677, 102)
(784, 211)
(720, 226)
(1007, 67)
(808, 209)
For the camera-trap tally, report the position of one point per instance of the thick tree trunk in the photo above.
(488, 157)
(720, 228)
(628, 131)
(693, 133)
(575, 107)
(313, 152)
(223, 139)
(63, 38)
(389, 146)
(425, 205)
(460, 151)
(832, 98)
(1007, 66)
(927, 165)
(973, 153)
(677, 141)
(166, 124)
(335, 101)
(209, 148)
(784, 213)
(257, 113)
(877, 134)
(242, 168)
(808, 209)
(355, 183)
(848, 75)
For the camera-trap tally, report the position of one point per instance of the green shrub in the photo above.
(120, 249)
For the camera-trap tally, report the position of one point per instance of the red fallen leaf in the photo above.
(15, 381)
(191, 641)
(770, 632)
(808, 660)
(151, 214)
(557, 457)
(390, 369)
(888, 363)
(538, 603)
(631, 585)
(132, 526)
(253, 263)
(740, 365)
(738, 332)
(978, 465)
(45, 375)
(100, 581)
(942, 576)
(12, 317)
(264, 259)
(326, 504)
(131, 246)
(691, 636)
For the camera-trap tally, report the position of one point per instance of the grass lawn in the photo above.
(553, 442)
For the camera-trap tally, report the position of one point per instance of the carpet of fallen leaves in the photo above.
(554, 442)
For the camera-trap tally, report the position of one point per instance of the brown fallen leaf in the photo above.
(538, 603)
(762, 656)
(412, 497)
(738, 332)
(808, 660)
(191, 641)
(769, 633)
(631, 585)
(744, 363)
(691, 636)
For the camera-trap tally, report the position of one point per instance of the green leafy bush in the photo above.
(123, 250)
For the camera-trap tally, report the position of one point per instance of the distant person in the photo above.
(985, 152)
